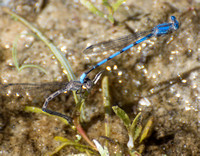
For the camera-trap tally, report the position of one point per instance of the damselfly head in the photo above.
(175, 22)
(87, 85)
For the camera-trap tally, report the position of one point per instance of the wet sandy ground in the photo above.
(160, 77)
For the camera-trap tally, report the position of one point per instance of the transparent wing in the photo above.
(115, 44)
(30, 88)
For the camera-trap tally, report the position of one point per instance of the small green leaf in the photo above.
(61, 139)
(134, 123)
(147, 129)
(122, 115)
(134, 132)
(137, 132)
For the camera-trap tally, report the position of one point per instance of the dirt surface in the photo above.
(160, 77)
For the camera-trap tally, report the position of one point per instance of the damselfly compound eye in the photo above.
(84, 87)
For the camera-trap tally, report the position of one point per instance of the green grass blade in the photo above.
(32, 66)
(107, 105)
(14, 52)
